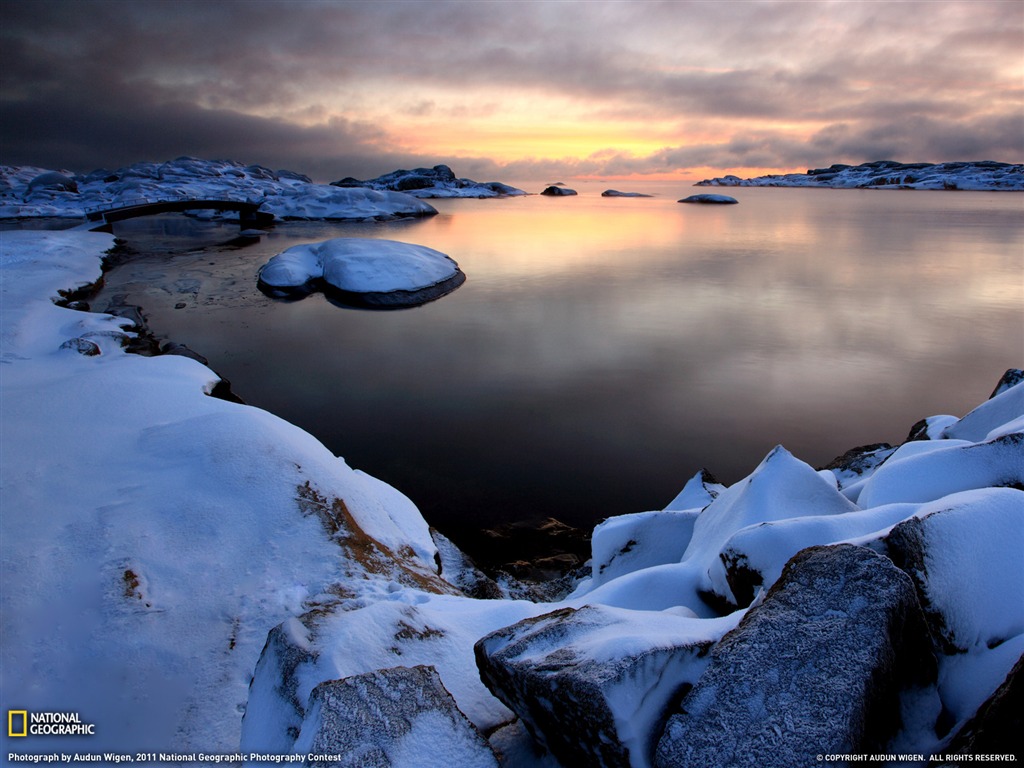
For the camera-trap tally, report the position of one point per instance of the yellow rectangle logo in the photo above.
(12, 715)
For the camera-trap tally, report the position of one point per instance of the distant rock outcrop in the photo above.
(817, 668)
(890, 174)
(439, 181)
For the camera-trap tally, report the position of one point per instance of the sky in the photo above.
(511, 89)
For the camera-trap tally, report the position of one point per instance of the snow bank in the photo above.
(153, 535)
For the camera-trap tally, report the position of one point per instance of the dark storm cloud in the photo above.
(88, 82)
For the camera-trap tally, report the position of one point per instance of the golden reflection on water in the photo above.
(602, 350)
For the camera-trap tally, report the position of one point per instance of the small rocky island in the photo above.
(362, 272)
(890, 174)
(439, 181)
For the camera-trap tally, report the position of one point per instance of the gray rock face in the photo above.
(392, 718)
(817, 668)
(593, 684)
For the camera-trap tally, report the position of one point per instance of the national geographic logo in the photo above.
(21, 722)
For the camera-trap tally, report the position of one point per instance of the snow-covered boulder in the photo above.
(363, 271)
(927, 470)
(781, 487)
(963, 580)
(593, 684)
(401, 717)
(439, 181)
(628, 543)
(965, 553)
(817, 668)
(377, 629)
(1001, 414)
(709, 200)
(699, 491)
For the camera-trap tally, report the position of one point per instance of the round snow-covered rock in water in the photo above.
(363, 271)
(710, 199)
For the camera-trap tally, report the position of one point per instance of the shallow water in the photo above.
(603, 350)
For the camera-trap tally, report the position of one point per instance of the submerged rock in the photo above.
(401, 717)
(817, 668)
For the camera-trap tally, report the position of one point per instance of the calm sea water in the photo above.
(603, 350)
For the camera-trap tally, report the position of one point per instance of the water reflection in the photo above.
(602, 350)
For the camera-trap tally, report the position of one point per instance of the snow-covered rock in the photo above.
(889, 174)
(367, 270)
(353, 634)
(818, 667)
(628, 543)
(285, 194)
(439, 181)
(321, 201)
(709, 200)
(928, 470)
(401, 717)
(593, 684)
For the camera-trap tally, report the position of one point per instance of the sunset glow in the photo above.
(540, 88)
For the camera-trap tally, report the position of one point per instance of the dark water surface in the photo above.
(603, 350)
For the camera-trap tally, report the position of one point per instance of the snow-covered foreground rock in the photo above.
(27, 192)
(889, 174)
(192, 574)
(367, 271)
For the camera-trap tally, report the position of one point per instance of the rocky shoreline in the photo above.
(891, 174)
(868, 605)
